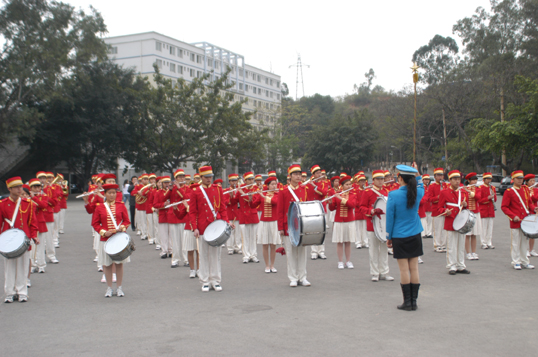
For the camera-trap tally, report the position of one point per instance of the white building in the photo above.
(177, 59)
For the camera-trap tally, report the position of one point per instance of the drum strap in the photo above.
(12, 222)
(377, 193)
(524, 205)
(209, 203)
(293, 194)
(111, 216)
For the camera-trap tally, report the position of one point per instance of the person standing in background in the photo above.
(132, 201)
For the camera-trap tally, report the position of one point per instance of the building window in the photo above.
(241, 98)
(180, 52)
(158, 46)
(266, 80)
(210, 62)
(216, 64)
(259, 78)
(255, 102)
(191, 72)
(240, 86)
(278, 84)
(198, 74)
(174, 83)
(113, 50)
(192, 57)
(259, 91)
(180, 69)
(259, 104)
(159, 63)
(254, 90)
(172, 67)
(271, 94)
(241, 72)
(172, 50)
(271, 82)
(266, 93)
(271, 106)
(278, 96)
(266, 105)
(198, 59)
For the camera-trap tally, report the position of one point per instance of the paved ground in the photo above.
(493, 311)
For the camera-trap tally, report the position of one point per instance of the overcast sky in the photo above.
(340, 40)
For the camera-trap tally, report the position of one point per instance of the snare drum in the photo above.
(13, 243)
(217, 233)
(306, 223)
(464, 221)
(119, 247)
(529, 226)
(380, 224)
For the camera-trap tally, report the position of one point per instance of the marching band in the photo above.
(187, 220)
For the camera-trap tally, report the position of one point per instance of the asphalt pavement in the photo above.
(491, 312)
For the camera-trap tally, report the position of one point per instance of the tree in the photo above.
(43, 41)
(198, 121)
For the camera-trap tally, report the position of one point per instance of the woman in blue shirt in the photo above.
(403, 231)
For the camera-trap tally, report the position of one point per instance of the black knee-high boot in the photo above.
(414, 295)
(406, 291)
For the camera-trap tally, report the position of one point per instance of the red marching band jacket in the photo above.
(42, 203)
(249, 211)
(200, 213)
(513, 207)
(26, 219)
(451, 196)
(285, 198)
(434, 190)
(102, 222)
(269, 206)
(367, 204)
(487, 205)
(344, 207)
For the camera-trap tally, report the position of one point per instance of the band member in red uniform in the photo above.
(59, 195)
(268, 235)
(103, 223)
(379, 264)
(259, 185)
(249, 219)
(42, 202)
(273, 174)
(530, 182)
(473, 206)
(152, 217)
(141, 216)
(317, 190)
(63, 203)
(49, 216)
(20, 213)
(428, 228)
(434, 190)
(296, 256)
(335, 187)
(161, 199)
(488, 197)
(360, 218)
(201, 208)
(451, 201)
(233, 244)
(517, 204)
(176, 225)
(344, 230)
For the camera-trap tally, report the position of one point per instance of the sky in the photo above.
(339, 40)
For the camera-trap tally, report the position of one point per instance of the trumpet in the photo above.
(89, 193)
(55, 179)
(65, 186)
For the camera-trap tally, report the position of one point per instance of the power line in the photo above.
(299, 66)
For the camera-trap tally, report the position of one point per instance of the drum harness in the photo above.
(133, 247)
(12, 222)
(293, 194)
(456, 204)
(524, 205)
(209, 203)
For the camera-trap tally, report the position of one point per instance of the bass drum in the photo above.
(380, 223)
(306, 223)
(529, 226)
(14, 243)
(217, 233)
(119, 247)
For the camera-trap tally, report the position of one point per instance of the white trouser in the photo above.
(176, 231)
(520, 246)
(62, 219)
(209, 269)
(362, 238)
(429, 224)
(142, 223)
(49, 245)
(249, 240)
(439, 232)
(234, 242)
(423, 222)
(137, 219)
(166, 243)
(296, 257)
(379, 256)
(184, 253)
(317, 249)
(40, 250)
(15, 274)
(151, 227)
(455, 255)
(487, 230)
(55, 236)
(155, 216)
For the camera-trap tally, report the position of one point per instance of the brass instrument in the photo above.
(65, 186)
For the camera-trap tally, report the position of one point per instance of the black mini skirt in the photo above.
(405, 248)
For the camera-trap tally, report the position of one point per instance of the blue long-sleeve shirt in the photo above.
(401, 221)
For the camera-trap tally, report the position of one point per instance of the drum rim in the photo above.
(119, 234)
(298, 204)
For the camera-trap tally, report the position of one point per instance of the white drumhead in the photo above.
(117, 243)
(530, 224)
(214, 230)
(460, 219)
(380, 224)
(11, 240)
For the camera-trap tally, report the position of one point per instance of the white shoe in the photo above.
(54, 261)
(137, 233)
(119, 292)
(185, 264)
(192, 274)
(217, 287)
(150, 241)
(23, 298)
(205, 288)
(340, 265)
(322, 256)
(375, 278)
(273, 270)
(96, 259)
(267, 270)
(390, 251)
(314, 256)
(100, 269)
(528, 266)
(358, 246)
(103, 279)
(245, 260)
(113, 278)
(255, 260)
(61, 231)
(157, 247)
(41, 270)
(517, 266)
(230, 252)
(386, 277)
(475, 256)
(9, 299)
(305, 282)
(420, 261)
(293, 284)
(349, 265)
(533, 253)
(28, 283)
(491, 246)
(366, 245)
(34, 270)
(56, 246)
(470, 256)
(108, 292)
(484, 246)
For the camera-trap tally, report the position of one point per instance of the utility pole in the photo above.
(299, 66)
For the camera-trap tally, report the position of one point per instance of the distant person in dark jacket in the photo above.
(132, 201)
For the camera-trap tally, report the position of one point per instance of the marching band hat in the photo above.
(108, 176)
(206, 171)
(335, 178)
(517, 173)
(288, 177)
(233, 177)
(50, 174)
(453, 173)
(345, 179)
(342, 174)
(143, 176)
(196, 175)
(248, 175)
(314, 169)
(426, 177)
(529, 177)
(62, 176)
(179, 172)
(217, 181)
(99, 177)
(294, 168)
(361, 177)
(34, 182)
(44, 174)
(188, 176)
(378, 174)
(405, 170)
(14, 182)
(152, 175)
(271, 173)
(166, 179)
(323, 172)
(110, 186)
(258, 177)
(268, 181)
(471, 176)
(487, 175)
(303, 174)
(438, 170)
(387, 172)
(26, 188)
